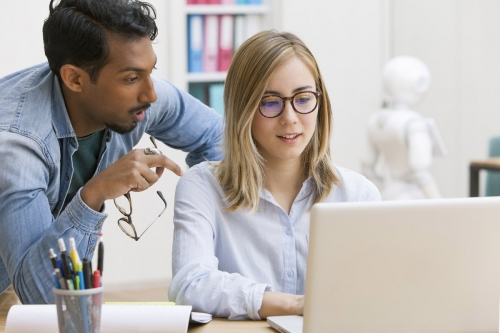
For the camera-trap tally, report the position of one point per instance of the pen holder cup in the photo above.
(79, 310)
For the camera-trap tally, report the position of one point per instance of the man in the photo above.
(68, 128)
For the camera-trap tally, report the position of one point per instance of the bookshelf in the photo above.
(178, 13)
(226, 9)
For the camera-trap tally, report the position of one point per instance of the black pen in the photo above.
(62, 245)
(100, 255)
(87, 273)
(53, 258)
(65, 268)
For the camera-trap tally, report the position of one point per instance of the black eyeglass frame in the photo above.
(128, 216)
(315, 93)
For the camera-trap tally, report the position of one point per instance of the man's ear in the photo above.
(73, 77)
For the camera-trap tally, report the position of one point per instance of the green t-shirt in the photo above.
(85, 161)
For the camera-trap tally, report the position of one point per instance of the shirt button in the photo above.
(99, 224)
(288, 232)
(91, 249)
(289, 273)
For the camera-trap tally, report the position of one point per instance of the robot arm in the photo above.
(420, 152)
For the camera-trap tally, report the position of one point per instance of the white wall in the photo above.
(346, 37)
(458, 39)
(460, 42)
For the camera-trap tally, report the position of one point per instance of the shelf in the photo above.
(206, 77)
(226, 9)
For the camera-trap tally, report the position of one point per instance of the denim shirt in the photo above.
(36, 145)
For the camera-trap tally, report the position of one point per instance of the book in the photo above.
(211, 43)
(196, 317)
(195, 43)
(225, 42)
(216, 97)
(137, 318)
(199, 91)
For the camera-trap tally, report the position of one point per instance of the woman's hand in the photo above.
(281, 304)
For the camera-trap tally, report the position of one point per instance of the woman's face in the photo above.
(286, 136)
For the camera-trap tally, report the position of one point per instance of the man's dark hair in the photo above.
(75, 31)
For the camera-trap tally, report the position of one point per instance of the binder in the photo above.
(199, 91)
(216, 97)
(193, 2)
(225, 41)
(239, 31)
(227, 2)
(254, 2)
(211, 43)
(241, 2)
(212, 2)
(195, 43)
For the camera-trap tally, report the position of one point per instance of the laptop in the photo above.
(402, 266)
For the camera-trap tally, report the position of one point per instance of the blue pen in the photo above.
(82, 280)
(59, 264)
(60, 279)
(56, 281)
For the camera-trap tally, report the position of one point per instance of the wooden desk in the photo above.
(231, 326)
(3, 318)
(218, 325)
(474, 168)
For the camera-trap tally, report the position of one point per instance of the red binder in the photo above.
(211, 43)
(226, 24)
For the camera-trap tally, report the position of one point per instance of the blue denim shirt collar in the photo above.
(60, 118)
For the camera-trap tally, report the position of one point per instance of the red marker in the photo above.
(96, 279)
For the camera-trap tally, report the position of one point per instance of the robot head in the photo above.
(405, 80)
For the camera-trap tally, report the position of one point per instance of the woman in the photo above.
(242, 225)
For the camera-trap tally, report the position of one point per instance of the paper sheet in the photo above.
(114, 319)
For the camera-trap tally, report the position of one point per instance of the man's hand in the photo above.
(132, 172)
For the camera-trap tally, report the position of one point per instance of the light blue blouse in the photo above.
(224, 261)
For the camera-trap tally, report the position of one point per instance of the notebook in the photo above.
(137, 317)
(403, 266)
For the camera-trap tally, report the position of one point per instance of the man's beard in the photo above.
(124, 130)
(121, 129)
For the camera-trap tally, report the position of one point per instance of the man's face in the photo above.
(124, 89)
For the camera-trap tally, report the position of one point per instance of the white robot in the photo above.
(402, 142)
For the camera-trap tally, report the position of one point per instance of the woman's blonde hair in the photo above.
(241, 173)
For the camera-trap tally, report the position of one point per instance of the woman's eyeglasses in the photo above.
(125, 223)
(303, 102)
